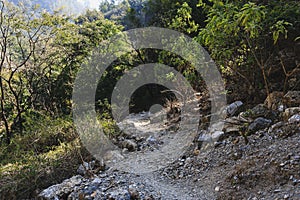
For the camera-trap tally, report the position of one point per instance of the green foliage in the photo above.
(280, 27)
(233, 22)
(183, 20)
(228, 27)
(163, 12)
(106, 6)
(247, 34)
(110, 128)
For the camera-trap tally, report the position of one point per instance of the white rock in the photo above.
(215, 136)
(217, 189)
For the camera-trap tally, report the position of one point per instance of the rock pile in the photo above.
(114, 185)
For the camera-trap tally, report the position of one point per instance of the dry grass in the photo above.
(47, 155)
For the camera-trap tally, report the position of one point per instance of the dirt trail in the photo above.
(175, 190)
(149, 125)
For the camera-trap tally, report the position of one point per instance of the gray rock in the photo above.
(205, 138)
(60, 190)
(216, 135)
(258, 124)
(232, 109)
(151, 140)
(85, 167)
(218, 126)
(260, 110)
(113, 156)
(276, 128)
(294, 119)
(158, 117)
(125, 151)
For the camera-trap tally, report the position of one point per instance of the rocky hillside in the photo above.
(252, 154)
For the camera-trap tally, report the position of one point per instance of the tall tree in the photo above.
(39, 56)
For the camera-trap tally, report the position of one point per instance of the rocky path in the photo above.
(144, 133)
(265, 164)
